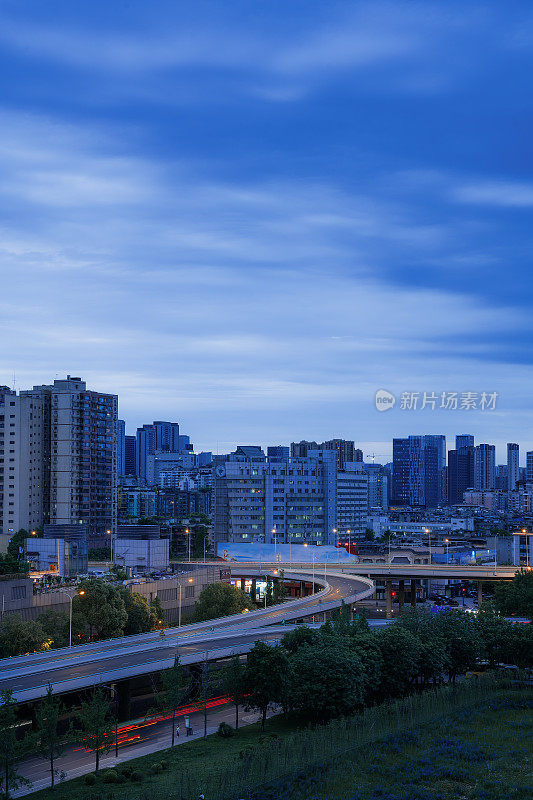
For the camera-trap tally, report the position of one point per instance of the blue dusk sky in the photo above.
(250, 216)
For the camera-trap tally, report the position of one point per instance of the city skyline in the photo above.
(254, 227)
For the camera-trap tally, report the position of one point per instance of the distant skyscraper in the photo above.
(347, 453)
(513, 465)
(160, 436)
(300, 449)
(464, 440)
(121, 448)
(460, 472)
(130, 445)
(501, 477)
(417, 475)
(529, 467)
(484, 466)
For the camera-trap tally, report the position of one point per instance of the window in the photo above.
(18, 592)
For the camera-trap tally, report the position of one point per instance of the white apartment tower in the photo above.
(58, 457)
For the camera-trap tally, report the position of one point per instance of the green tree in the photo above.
(51, 742)
(100, 613)
(326, 682)
(96, 725)
(12, 749)
(13, 566)
(266, 677)
(174, 689)
(158, 611)
(234, 684)
(220, 600)
(459, 635)
(400, 653)
(495, 635)
(365, 646)
(141, 617)
(18, 636)
(15, 548)
(56, 627)
(300, 636)
(516, 596)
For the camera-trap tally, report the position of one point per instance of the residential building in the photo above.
(59, 459)
(513, 465)
(484, 467)
(159, 436)
(378, 480)
(24, 460)
(418, 462)
(464, 440)
(501, 477)
(302, 499)
(347, 453)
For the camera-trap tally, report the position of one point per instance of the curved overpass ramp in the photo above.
(71, 669)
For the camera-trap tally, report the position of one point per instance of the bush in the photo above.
(137, 776)
(155, 769)
(90, 779)
(164, 765)
(111, 776)
(225, 730)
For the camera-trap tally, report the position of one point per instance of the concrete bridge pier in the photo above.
(123, 690)
(388, 596)
(413, 592)
(479, 593)
(401, 595)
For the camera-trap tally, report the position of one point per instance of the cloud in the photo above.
(398, 42)
(505, 194)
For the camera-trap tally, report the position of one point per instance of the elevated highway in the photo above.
(71, 669)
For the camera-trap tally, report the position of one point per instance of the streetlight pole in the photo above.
(71, 598)
(179, 608)
(188, 532)
(447, 550)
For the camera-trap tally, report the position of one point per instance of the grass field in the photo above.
(468, 745)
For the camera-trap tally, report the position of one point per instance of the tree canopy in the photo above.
(221, 600)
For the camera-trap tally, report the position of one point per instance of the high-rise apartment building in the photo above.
(513, 465)
(460, 471)
(484, 466)
(63, 470)
(378, 486)
(24, 460)
(417, 476)
(158, 437)
(297, 500)
(347, 452)
(464, 440)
